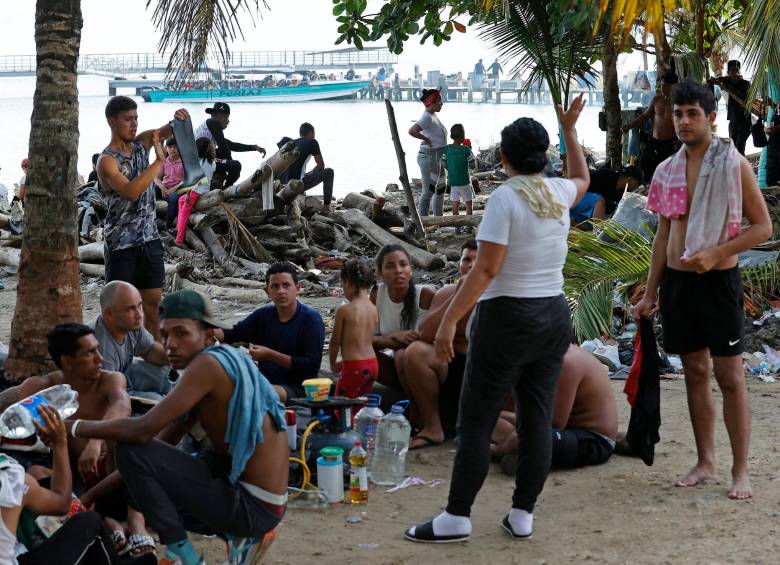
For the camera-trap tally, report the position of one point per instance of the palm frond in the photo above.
(193, 31)
(762, 284)
(762, 43)
(523, 35)
(610, 258)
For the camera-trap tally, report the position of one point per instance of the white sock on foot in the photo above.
(446, 524)
(522, 522)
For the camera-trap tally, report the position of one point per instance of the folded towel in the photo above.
(534, 190)
(716, 207)
(253, 397)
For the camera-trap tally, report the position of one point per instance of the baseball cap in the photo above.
(192, 305)
(219, 107)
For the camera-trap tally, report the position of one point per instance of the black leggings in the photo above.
(516, 344)
(84, 540)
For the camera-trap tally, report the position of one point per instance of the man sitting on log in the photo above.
(285, 337)
(434, 386)
(212, 129)
(122, 336)
(309, 147)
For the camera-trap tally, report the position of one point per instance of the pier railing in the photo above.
(123, 63)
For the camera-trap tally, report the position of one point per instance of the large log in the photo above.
(358, 221)
(290, 191)
(216, 248)
(231, 282)
(451, 221)
(209, 200)
(249, 210)
(191, 239)
(375, 209)
(92, 252)
(278, 163)
(239, 294)
(10, 256)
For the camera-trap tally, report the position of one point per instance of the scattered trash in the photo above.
(765, 316)
(354, 519)
(415, 482)
(368, 545)
(676, 363)
(607, 354)
(764, 365)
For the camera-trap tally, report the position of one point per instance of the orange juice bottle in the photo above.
(358, 474)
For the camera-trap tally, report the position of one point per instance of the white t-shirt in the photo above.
(433, 129)
(536, 248)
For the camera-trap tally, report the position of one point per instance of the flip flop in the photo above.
(423, 533)
(119, 540)
(427, 442)
(141, 544)
(249, 551)
(508, 529)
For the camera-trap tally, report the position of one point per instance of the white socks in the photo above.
(446, 524)
(522, 522)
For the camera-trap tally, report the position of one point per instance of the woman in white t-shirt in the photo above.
(434, 139)
(520, 329)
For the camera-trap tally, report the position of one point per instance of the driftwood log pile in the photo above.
(231, 238)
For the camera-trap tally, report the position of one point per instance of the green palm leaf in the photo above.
(609, 259)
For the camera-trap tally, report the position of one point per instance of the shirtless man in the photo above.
(700, 286)
(664, 143)
(584, 424)
(102, 394)
(240, 488)
(434, 386)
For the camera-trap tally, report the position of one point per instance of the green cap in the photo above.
(191, 305)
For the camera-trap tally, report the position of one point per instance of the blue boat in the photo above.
(304, 92)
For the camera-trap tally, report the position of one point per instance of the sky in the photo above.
(124, 26)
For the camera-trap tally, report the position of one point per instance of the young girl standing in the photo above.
(354, 328)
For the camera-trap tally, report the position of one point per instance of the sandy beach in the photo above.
(620, 512)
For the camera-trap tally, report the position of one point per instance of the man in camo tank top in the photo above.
(133, 250)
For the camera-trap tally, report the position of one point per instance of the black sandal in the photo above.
(508, 529)
(423, 533)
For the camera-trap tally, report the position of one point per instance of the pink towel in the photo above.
(716, 209)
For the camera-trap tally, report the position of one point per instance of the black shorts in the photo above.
(575, 448)
(449, 393)
(141, 266)
(702, 311)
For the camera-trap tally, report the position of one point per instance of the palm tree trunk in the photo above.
(612, 103)
(48, 292)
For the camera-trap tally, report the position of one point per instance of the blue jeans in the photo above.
(147, 380)
(173, 209)
(431, 176)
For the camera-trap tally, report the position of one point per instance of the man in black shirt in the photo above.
(212, 129)
(612, 184)
(308, 147)
(739, 119)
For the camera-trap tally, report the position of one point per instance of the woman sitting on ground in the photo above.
(401, 305)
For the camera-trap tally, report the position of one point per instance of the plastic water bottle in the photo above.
(17, 420)
(358, 474)
(392, 442)
(366, 421)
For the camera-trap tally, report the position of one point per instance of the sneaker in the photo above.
(249, 551)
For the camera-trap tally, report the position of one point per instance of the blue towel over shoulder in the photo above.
(253, 397)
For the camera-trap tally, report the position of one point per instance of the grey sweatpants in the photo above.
(516, 345)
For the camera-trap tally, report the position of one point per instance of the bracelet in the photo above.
(74, 428)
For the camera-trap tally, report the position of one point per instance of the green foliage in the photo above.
(596, 269)
(401, 19)
(193, 30)
(762, 43)
(549, 41)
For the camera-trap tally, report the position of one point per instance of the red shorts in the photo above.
(357, 377)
